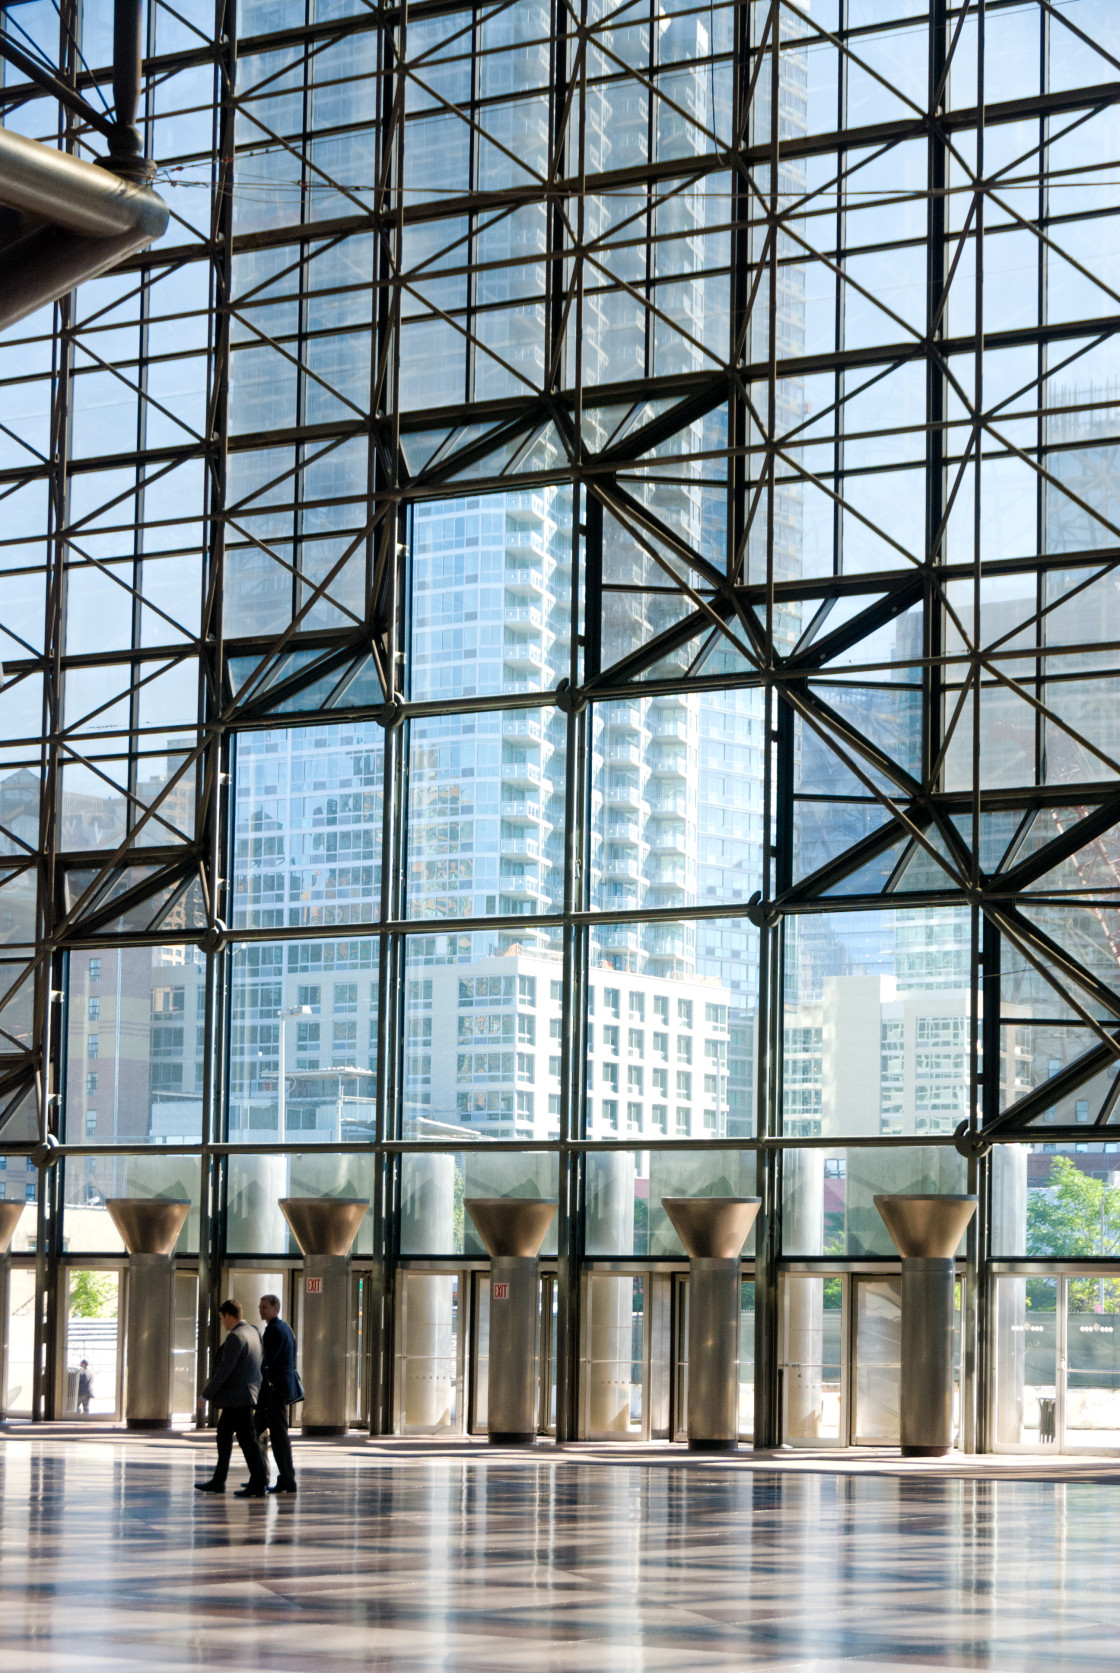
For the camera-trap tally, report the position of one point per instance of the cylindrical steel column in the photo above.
(149, 1227)
(926, 1231)
(713, 1231)
(9, 1220)
(512, 1230)
(325, 1229)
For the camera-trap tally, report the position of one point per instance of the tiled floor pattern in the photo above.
(429, 1560)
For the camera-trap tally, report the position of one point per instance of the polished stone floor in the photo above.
(424, 1559)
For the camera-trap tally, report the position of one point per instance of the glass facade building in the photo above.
(559, 634)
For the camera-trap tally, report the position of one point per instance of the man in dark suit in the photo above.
(280, 1389)
(234, 1385)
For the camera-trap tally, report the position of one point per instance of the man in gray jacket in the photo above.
(234, 1385)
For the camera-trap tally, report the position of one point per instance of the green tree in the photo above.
(1077, 1217)
(93, 1295)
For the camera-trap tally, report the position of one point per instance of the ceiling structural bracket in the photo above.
(570, 699)
(763, 914)
(390, 715)
(972, 1144)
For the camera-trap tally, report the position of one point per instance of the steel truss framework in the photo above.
(816, 318)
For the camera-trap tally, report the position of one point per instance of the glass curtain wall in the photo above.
(560, 637)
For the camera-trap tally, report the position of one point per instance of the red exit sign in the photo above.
(500, 1292)
(314, 1286)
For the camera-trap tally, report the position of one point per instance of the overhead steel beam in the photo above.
(51, 83)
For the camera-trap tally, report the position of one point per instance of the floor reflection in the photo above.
(109, 1560)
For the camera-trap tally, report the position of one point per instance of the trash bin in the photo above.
(72, 1377)
(1047, 1406)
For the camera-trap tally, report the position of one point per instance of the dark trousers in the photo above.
(274, 1418)
(238, 1420)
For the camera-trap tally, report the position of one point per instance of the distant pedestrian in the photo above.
(85, 1386)
(234, 1386)
(280, 1388)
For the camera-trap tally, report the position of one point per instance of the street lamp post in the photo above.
(281, 1088)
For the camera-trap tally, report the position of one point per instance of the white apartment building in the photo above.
(485, 1048)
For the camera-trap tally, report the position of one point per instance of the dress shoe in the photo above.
(250, 1493)
(283, 1487)
(209, 1486)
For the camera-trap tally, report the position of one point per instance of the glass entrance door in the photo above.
(91, 1372)
(878, 1361)
(184, 1347)
(1056, 1357)
(19, 1358)
(429, 1353)
(476, 1369)
(814, 1358)
(1091, 1407)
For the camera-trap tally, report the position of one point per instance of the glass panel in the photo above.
(680, 1358)
(307, 830)
(88, 1181)
(480, 1356)
(878, 1347)
(678, 815)
(828, 1197)
(1092, 1404)
(492, 595)
(1026, 1362)
(613, 1355)
(256, 1182)
(550, 1307)
(746, 1363)
(486, 815)
(483, 1035)
(429, 1337)
(19, 1360)
(359, 1368)
(434, 1187)
(877, 1024)
(184, 1347)
(811, 1357)
(136, 1045)
(92, 1334)
(19, 1182)
(303, 1049)
(625, 1188)
(1056, 1201)
(671, 1029)
(248, 1284)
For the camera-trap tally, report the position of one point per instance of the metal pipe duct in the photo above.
(77, 220)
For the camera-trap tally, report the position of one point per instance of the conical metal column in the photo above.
(512, 1230)
(713, 1231)
(9, 1220)
(325, 1229)
(926, 1230)
(149, 1228)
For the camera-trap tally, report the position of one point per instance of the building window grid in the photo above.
(938, 1059)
